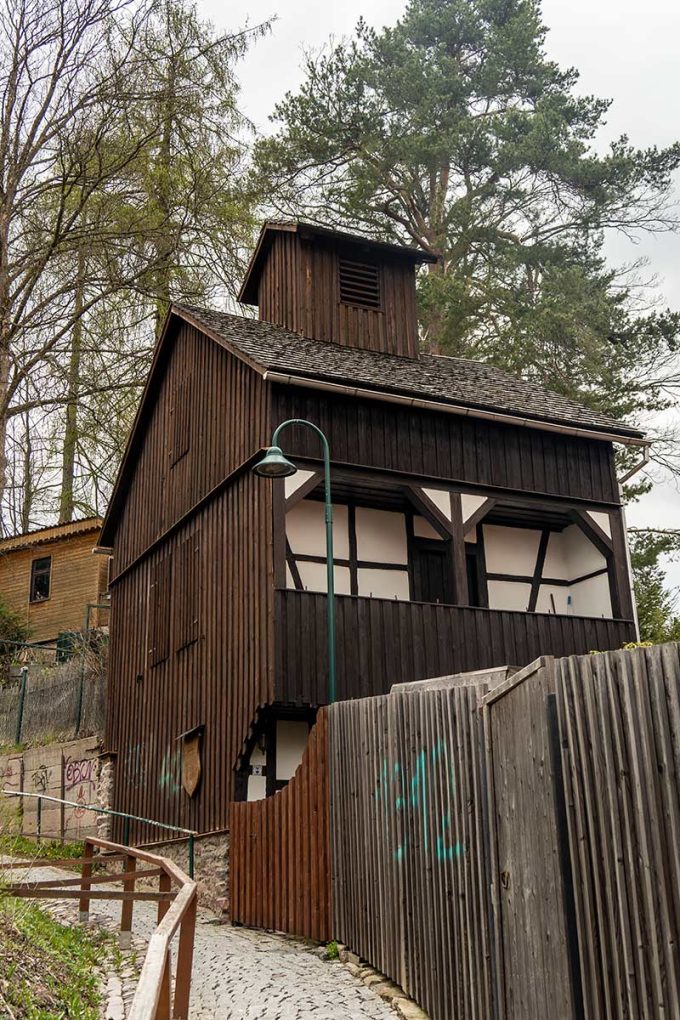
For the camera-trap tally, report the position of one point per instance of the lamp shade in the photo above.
(274, 464)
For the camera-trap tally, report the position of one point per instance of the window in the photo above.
(186, 593)
(158, 619)
(359, 283)
(180, 421)
(41, 571)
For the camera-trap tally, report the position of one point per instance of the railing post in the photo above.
(164, 885)
(20, 706)
(38, 819)
(86, 875)
(191, 855)
(125, 937)
(185, 957)
(163, 1008)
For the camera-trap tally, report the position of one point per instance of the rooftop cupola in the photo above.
(336, 287)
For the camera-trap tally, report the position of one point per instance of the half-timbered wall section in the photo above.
(207, 415)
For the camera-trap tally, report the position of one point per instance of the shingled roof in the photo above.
(455, 381)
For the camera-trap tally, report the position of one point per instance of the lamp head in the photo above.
(274, 464)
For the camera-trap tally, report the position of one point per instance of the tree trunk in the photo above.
(28, 489)
(68, 458)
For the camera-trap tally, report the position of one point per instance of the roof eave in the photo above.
(602, 434)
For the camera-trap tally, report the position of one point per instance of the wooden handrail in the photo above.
(177, 910)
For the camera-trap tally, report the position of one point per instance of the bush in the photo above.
(13, 630)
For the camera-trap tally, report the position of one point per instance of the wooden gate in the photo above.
(280, 850)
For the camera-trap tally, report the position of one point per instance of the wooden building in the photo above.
(477, 522)
(50, 577)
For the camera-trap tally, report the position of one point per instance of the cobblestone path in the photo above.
(240, 974)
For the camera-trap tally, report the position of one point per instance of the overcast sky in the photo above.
(624, 50)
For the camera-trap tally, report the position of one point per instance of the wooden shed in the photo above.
(49, 576)
(477, 522)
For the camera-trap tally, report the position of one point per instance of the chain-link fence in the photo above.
(46, 699)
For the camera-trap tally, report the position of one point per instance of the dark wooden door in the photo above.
(432, 577)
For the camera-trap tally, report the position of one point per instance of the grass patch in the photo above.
(13, 845)
(332, 952)
(48, 971)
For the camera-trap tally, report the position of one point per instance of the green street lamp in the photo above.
(275, 465)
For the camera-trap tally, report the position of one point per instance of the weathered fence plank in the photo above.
(280, 847)
(532, 937)
(619, 716)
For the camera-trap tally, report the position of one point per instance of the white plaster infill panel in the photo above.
(381, 536)
(556, 564)
(294, 482)
(306, 529)
(441, 499)
(470, 504)
(581, 555)
(423, 529)
(512, 595)
(511, 550)
(291, 741)
(257, 785)
(592, 597)
(602, 520)
(314, 578)
(383, 584)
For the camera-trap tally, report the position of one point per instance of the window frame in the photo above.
(33, 600)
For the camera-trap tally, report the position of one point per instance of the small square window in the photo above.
(41, 571)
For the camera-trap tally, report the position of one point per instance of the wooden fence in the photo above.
(280, 848)
(504, 850)
(408, 844)
(619, 719)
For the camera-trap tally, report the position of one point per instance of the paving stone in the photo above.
(239, 974)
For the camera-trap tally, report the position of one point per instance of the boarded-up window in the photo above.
(180, 429)
(187, 592)
(159, 612)
(359, 283)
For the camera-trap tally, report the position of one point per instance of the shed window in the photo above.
(359, 283)
(159, 613)
(186, 593)
(181, 421)
(41, 571)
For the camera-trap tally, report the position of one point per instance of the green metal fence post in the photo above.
(20, 706)
(191, 855)
(38, 824)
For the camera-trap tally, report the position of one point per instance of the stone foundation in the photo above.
(211, 866)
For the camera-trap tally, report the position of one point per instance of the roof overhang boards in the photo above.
(288, 379)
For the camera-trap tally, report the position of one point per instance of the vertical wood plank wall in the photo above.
(218, 681)
(226, 415)
(449, 447)
(279, 860)
(407, 828)
(412, 641)
(619, 719)
(299, 289)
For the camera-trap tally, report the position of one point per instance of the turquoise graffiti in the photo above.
(413, 793)
(170, 775)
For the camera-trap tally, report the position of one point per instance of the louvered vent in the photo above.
(359, 284)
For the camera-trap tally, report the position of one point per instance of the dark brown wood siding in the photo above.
(218, 680)
(299, 289)
(449, 447)
(213, 408)
(381, 642)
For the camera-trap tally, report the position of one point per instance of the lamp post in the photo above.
(275, 465)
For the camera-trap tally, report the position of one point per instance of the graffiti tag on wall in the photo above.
(413, 794)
